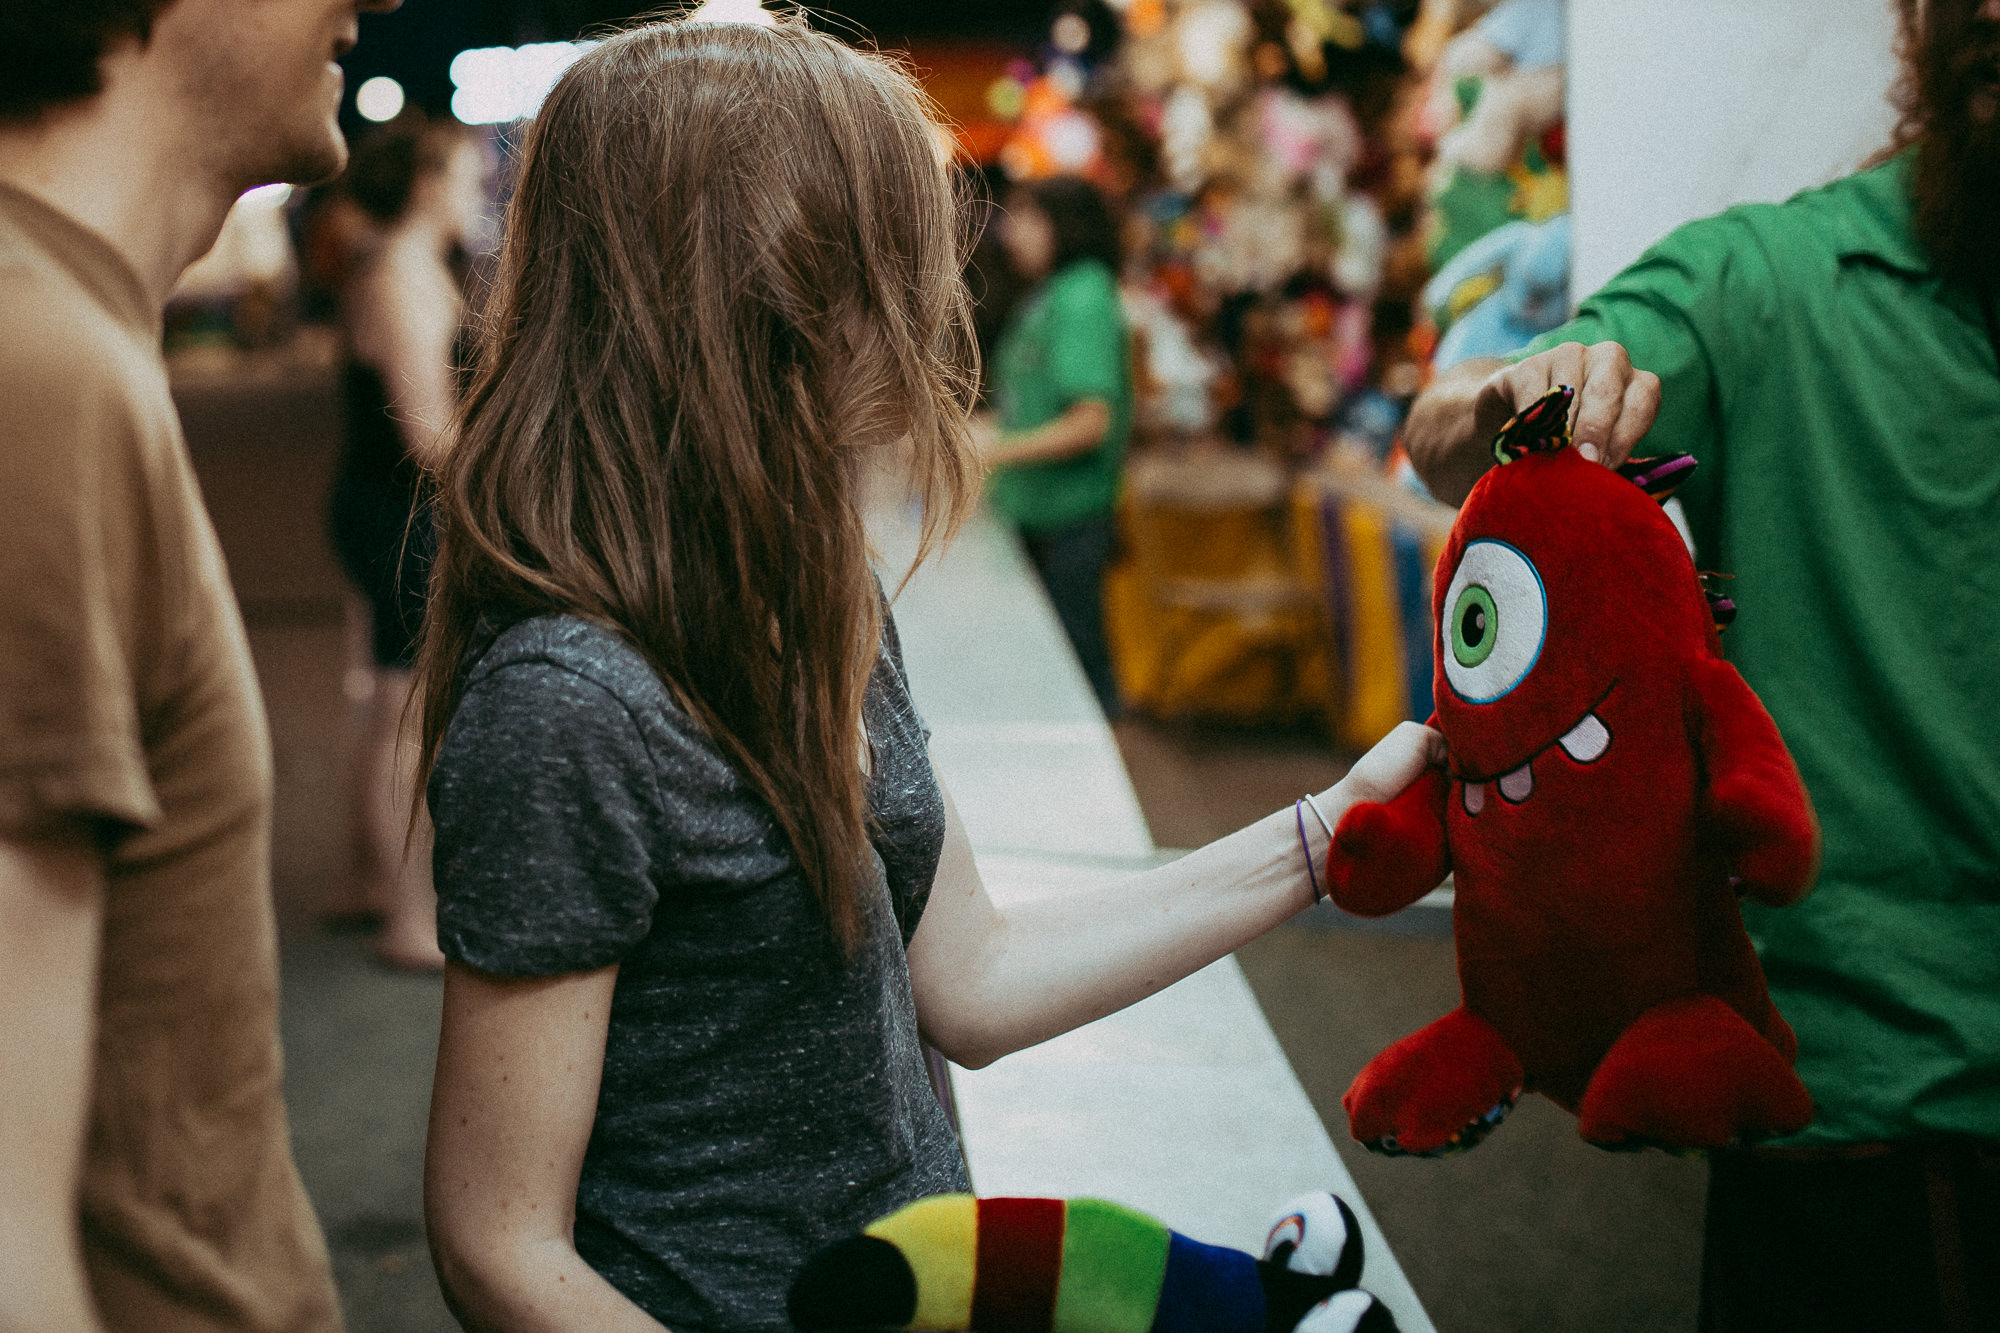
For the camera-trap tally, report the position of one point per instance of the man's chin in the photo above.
(315, 162)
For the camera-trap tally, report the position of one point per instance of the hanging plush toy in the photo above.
(1613, 786)
(954, 1262)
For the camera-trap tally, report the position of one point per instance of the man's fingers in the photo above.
(1635, 417)
(1520, 385)
(1561, 364)
(1606, 373)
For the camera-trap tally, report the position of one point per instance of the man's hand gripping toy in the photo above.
(954, 1262)
(1613, 785)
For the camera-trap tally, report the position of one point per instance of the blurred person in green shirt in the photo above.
(1061, 384)
(1834, 364)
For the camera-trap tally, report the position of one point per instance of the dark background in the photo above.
(415, 44)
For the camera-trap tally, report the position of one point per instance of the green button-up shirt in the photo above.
(1845, 405)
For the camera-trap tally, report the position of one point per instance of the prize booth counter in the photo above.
(1184, 1105)
(1255, 591)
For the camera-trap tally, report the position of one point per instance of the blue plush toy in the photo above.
(1531, 260)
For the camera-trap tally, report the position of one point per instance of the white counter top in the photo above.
(1183, 1105)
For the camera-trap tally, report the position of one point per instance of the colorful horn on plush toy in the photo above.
(1659, 477)
(1719, 604)
(955, 1262)
(1540, 427)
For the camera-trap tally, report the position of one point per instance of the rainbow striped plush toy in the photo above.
(955, 1262)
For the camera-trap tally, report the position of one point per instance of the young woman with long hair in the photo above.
(698, 886)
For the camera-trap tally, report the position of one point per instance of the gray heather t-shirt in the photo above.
(761, 1095)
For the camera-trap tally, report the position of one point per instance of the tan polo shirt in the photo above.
(127, 698)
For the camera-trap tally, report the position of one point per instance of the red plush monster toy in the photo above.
(1613, 785)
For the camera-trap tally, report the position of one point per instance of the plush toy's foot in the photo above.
(1319, 1234)
(1691, 1074)
(1314, 1249)
(1349, 1312)
(1439, 1090)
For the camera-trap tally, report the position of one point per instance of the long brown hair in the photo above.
(1948, 50)
(731, 273)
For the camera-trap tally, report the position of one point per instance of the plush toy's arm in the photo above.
(1386, 856)
(1754, 793)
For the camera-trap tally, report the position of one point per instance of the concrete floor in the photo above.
(1533, 1231)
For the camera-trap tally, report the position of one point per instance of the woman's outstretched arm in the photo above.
(519, 1062)
(988, 981)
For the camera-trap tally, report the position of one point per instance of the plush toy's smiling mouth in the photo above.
(1585, 743)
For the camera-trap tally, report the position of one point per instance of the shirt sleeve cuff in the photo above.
(511, 956)
(92, 779)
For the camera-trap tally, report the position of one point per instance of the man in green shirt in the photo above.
(1834, 364)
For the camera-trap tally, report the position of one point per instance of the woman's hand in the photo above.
(1394, 762)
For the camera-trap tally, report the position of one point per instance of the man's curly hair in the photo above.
(50, 49)
(1930, 33)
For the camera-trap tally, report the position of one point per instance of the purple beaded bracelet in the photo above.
(1299, 809)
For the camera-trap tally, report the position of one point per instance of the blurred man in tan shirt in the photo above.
(146, 1179)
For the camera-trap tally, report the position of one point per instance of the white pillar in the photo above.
(1680, 108)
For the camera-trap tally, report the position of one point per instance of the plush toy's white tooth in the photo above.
(1587, 741)
(1518, 785)
(1475, 798)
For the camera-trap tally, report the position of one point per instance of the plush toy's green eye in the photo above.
(1475, 627)
(1493, 618)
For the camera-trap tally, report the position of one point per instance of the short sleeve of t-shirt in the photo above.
(73, 557)
(1685, 310)
(1086, 332)
(892, 648)
(543, 796)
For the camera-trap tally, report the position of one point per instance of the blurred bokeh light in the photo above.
(380, 98)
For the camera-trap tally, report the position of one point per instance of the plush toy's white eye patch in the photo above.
(1496, 615)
